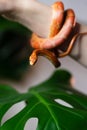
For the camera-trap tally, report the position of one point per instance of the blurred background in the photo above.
(15, 49)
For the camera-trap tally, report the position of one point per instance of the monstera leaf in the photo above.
(42, 102)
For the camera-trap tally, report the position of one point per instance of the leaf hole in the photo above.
(13, 111)
(64, 103)
(31, 124)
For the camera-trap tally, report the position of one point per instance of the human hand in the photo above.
(29, 14)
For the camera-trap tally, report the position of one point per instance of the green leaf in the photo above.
(41, 104)
(7, 24)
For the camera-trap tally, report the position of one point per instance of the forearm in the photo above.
(32, 14)
(39, 18)
(79, 51)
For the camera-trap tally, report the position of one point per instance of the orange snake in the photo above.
(61, 27)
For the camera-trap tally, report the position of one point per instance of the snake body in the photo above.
(61, 27)
(59, 38)
(47, 54)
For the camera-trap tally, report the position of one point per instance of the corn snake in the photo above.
(61, 27)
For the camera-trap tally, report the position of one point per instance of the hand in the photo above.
(37, 17)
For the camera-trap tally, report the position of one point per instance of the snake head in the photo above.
(46, 53)
(33, 59)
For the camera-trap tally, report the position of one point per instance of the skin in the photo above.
(62, 24)
(29, 14)
(59, 38)
(79, 51)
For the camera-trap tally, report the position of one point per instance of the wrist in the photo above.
(79, 49)
(63, 47)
